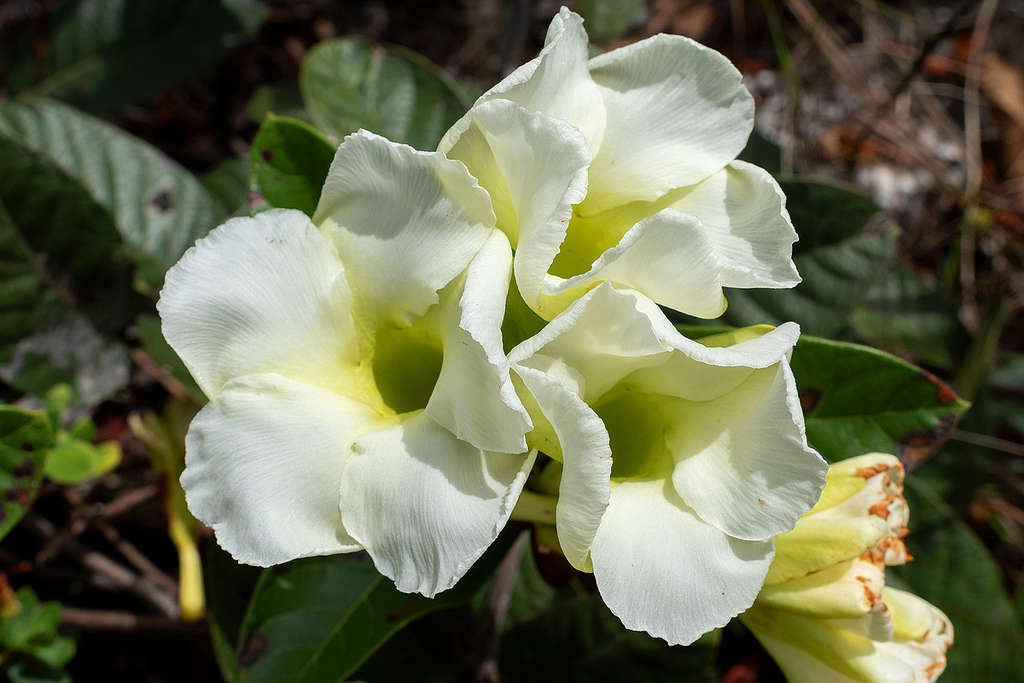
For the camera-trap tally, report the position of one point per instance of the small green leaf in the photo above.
(837, 261)
(348, 84)
(290, 160)
(72, 461)
(24, 439)
(610, 19)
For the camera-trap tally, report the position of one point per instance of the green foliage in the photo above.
(290, 160)
(228, 183)
(348, 84)
(955, 571)
(102, 54)
(25, 437)
(836, 259)
(159, 208)
(73, 458)
(30, 647)
(610, 19)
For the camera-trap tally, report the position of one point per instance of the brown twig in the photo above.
(109, 620)
(136, 558)
(157, 371)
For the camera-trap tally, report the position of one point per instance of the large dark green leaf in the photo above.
(836, 259)
(101, 54)
(290, 160)
(954, 570)
(158, 207)
(24, 439)
(317, 620)
(348, 84)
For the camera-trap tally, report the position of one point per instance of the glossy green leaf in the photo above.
(858, 400)
(158, 207)
(348, 84)
(290, 160)
(610, 19)
(73, 460)
(836, 259)
(25, 437)
(101, 54)
(953, 569)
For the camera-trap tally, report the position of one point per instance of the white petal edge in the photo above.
(405, 223)
(660, 569)
(676, 112)
(261, 294)
(586, 464)
(426, 505)
(263, 463)
(474, 397)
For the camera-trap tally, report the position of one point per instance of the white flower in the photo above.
(825, 613)
(359, 394)
(680, 460)
(622, 168)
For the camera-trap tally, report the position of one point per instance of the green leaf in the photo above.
(283, 99)
(28, 636)
(908, 315)
(837, 261)
(72, 460)
(24, 439)
(955, 571)
(348, 84)
(228, 183)
(610, 19)
(290, 160)
(159, 208)
(762, 152)
(101, 54)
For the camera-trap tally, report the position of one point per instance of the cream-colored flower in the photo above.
(359, 394)
(825, 613)
(623, 168)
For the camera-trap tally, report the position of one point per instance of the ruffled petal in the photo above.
(261, 294)
(405, 223)
(742, 460)
(535, 169)
(263, 464)
(676, 112)
(474, 397)
(557, 82)
(426, 505)
(586, 464)
(662, 570)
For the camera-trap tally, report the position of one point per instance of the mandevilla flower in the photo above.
(825, 613)
(359, 393)
(680, 460)
(622, 168)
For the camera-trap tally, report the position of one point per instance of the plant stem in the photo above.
(535, 507)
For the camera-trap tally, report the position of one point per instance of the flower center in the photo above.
(637, 424)
(406, 365)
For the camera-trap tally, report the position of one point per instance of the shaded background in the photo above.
(918, 105)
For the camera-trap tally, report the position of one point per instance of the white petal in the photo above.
(262, 294)
(474, 397)
(742, 460)
(743, 212)
(535, 169)
(586, 464)
(263, 464)
(557, 82)
(405, 223)
(676, 113)
(662, 570)
(667, 256)
(426, 505)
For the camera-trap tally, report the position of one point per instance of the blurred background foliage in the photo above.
(129, 128)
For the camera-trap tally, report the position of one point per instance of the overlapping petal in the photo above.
(424, 504)
(264, 462)
(662, 570)
(404, 222)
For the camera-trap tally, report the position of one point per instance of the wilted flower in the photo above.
(681, 461)
(359, 394)
(622, 168)
(825, 612)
